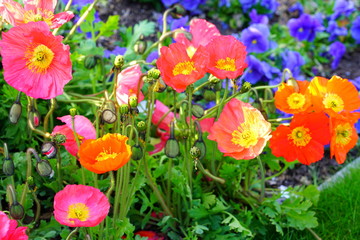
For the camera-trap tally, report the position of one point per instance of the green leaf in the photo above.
(312, 193)
(108, 28)
(88, 46)
(302, 220)
(235, 225)
(208, 200)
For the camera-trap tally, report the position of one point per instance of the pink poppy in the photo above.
(9, 230)
(35, 61)
(33, 11)
(83, 127)
(129, 84)
(80, 206)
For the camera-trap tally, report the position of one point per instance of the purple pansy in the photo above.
(335, 30)
(116, 51)
(258, 18)
(343, 7)
(355, 29)
(304, 28)
(337, 51)
(247, 4)
(297, 7)
(255, 38)
(293, 61)
(174, 23)
(270, 5)
(152, 56)
(190, 5)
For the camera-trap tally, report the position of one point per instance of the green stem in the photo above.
(72, 233)
(58, 167)
(112, 184)
(207, 173)
(262, 175)
(38, 207)
(29, 151)
(314, 234)
(50, 112)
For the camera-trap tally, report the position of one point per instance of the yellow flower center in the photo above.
(343, 134)
(105, 155)
(39, 15)
(296, 100)
(244, 136)
(334, 102)
(185, 68)
(300, 136)
(254, 41)
(227, 64)
(301, 29)
(78, 211)
(39, 58)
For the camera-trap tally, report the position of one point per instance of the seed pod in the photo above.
(141, 126)
(195, 152)
(8, 167)
(137, 152)
(59, 138)
(197, 111)
(90, 61)
(49, 149)
(245, 87)
(44, 169)
(124, 109)
(17, 211)
(15, 112)
(172, 148)
(133, 101)
(209, 95)
(213, 79)
(154, 73)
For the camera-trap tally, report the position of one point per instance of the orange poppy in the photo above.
(227, 57)
(105, 154)
(241, 131)
(343, 135)
(303, 140)
(180, 68)
(293, 99)
(333, 96)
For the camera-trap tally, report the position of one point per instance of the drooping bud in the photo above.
(140, 47)
(137, 152)
(34, 117)
(172, 148)
(209, 95)
(124, 109)
(141, 126)
(59, 138)
(15, 112)
(8, 165)
(200, 144)
(195, 152)
(73, 112)
(160, 86)
(16, 210)
(179, 10)
(154, 73)
(44, 169)
(49, 149)
(197, 111)
(245, 87)
(90, 61)
(292, 82)
(119, 61)
(109, 113)
(133, 101)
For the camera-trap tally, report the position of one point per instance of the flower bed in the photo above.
(177, 129)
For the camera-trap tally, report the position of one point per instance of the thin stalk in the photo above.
(262, 175)
(50, 112)
(112, 184)
(207, 173)
(72, 233)
(38, 207)
(29, 151)
(314, 234)
(78, 144)
(58, 167)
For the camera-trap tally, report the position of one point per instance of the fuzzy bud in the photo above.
(49, 149)
(90, 61)
(154, 73)
(140, 47)
(133, 101)
(43, 168)
(172, 148)
(34, 117)
(73, 112)
(137, 152)
(59, 138)
(200, 144)
(119, 61)
(124, 109)
(141, 126)
(15, 112)
(17, 211)
(8, 167)
(197, 111)
(245, 87)
(209, 95)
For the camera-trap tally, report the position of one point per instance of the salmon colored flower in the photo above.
(33, 11)
(35, 61)
(227, 57)
(293, 99)
(80, 206)
(9, 229)
(83, 127)
(180, 68)
(105, 154)
(303, 140)
(129, 84)
(201, 31)
(241, 131)
(343, 135)
(334, 96)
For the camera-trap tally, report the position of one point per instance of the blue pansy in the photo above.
(116, 51)
(293, 61)
(270, 5)
(255, 38)
(355, 29)
(226, 3)
(337, 51)
(258, 18)
(335, 30)
(247, 4)
(343, 7)
(304, 28)
(190, 5)
(297, 7)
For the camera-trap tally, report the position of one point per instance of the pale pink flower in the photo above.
(129, 84)
(35, 61)
(83, 127)
(80, 206)
(33, 11)
(9, 230)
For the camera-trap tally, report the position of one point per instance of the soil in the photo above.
(131, 12)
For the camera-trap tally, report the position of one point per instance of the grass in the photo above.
(338, 211)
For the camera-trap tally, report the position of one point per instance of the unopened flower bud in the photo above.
(90, 61)
(137, 152)
(59, 138)
(140, 47)
(160, 85)
(172, 148)
(73, 112)
(43, 168)
(133, 101)
(195, 152)
(8, 167)
(17, 211)
(119, 61)
(197, 111)
(292, 82)
(179, 10)
(15, 112)
(49, 149)
(154, 73)
(200, 144)
(209, 95)
(245, 87)
(141, 126)
(124, 109)
(34, 117)
(218, 86)
(108, 114)
(213, 80)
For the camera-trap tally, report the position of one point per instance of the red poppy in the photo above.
(179, 68)
(227, 57)
(303, 140)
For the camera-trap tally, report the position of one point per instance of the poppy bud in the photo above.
(245, 87)
(49, 149)
(172, 148)
(218, 86)
(154, 73)
(8, 167)
(137, 152)
(160, 85)
(197, 111)
(200, 144)
(16, 211)
(15, 112)
(179, 10)
(292, 82)
(108, 114)
(133, 101)
(141, 126)
(59, 138)
(119, 61)
(209, 95)
(44, 169)
(90, 61)
(124, 109)
(140, 47)
(195, 152)
(213, 80)
(34, 117)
